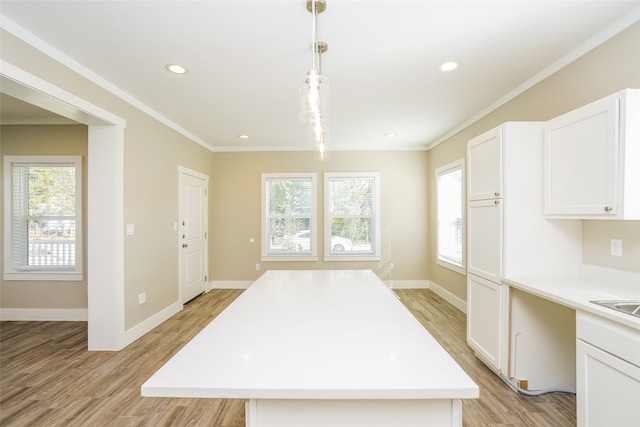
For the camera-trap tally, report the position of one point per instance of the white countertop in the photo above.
(313, 335)
(576, 292)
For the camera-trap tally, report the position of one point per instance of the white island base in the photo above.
(353, 413)
(320, 348)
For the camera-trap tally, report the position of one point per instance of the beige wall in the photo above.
(236, 210)
(613, 66)
(61, 140)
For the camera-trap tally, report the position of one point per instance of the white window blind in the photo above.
(449, 214)
(45, 213)
(352, 216)
(289, 215)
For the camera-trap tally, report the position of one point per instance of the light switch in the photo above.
(131, 229)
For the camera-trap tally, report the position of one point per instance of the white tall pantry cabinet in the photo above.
(508, 234)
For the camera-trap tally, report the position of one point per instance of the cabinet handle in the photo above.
(184, 245)
(497, 193)
(608, 208)
(496, 202)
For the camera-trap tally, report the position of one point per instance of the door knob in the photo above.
(184, 245)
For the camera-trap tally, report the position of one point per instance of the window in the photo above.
(450, 190)
(43, 218)
(288, 217)
(352, 216)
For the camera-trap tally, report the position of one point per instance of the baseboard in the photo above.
(230, 284)
(407, 284)
(44, 314)
(458, 303)
(140, 329)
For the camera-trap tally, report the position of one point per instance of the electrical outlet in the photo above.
(616, 247)
(392, 266)
(142, 298)
(257, 267)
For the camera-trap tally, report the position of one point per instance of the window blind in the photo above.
(450, 216)
(352, 214)
(44, 216)
(289, 215)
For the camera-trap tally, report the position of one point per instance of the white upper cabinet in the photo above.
(484, 164)
(592, 160)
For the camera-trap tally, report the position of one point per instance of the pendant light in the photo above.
(314, 91)
(314, 87)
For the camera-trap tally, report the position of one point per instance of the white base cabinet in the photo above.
(608, 373)
(485, 323)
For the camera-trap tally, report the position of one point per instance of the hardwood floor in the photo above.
(48, 378)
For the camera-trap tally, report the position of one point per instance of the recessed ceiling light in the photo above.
(448, 66)
(243, 136)
(390, 135)
(176, 69)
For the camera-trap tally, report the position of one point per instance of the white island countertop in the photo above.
(313, 335)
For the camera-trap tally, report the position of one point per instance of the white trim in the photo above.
(62, 58)
(230, 284)
(288, 258)
(49, 276)
(183, 173)
(105, 238)
(328, 216)
(44, 314)
(191, 172)
(147, 325)
(20, 84)
(458, 303)
(595, 41)
(105, 202)
(408, 284)
(244, 284)
(313, 246)
(458, 164)
(65, 273)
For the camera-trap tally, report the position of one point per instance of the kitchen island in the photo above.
(320, 348)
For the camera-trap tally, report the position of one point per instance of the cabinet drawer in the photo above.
(612, 337)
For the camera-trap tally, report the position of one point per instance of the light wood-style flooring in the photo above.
(48, 378)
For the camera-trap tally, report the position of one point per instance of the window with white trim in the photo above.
(289, 217)
(352, 216)
(43, 218)
(450, 219)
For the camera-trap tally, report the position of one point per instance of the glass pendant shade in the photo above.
(314, 97)
(318, 138)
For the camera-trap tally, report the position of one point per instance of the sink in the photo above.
(625, 306)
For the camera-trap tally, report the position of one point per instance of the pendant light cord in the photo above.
(314, 47)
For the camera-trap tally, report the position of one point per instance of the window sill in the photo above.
(352, 257)
(288, 258)
(44, 276)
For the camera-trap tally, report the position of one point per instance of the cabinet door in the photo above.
(581, 160)
(484, 165)
(608, 388)
(484, 239)
(484, 319)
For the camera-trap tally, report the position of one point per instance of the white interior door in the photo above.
(193, 259)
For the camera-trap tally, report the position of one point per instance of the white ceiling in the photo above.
(246, 59)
